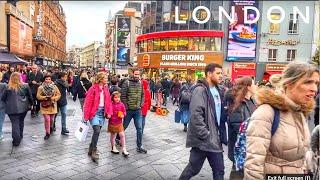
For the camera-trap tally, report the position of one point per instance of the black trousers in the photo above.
(36, 105)
(17, 121)
(95, 136)
(197, 158)
(316, 117)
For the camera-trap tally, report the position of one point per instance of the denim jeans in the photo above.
(136, 115)
(2, 116)
(143, 121)
(185, 114)
(196, 160)
(63, 112)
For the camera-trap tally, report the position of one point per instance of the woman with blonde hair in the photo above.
(82, 87)
(18, 101)
(48, 94)
(283, 151)
(97, 107)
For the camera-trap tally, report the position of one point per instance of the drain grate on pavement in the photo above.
(168, 141)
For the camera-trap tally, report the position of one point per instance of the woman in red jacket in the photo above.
(97, 107)
(147, 102)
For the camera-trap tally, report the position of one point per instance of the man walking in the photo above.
(62, 85)
(132, 97)
(34, 80)
(207, 130)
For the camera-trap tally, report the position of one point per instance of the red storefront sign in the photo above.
(273, 69)
(243, 69)
(146, 60)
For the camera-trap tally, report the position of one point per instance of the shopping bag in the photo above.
(81, 131)
(177, 115)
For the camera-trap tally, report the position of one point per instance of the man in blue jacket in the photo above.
(207, 130)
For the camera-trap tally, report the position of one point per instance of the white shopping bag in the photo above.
(81, 131)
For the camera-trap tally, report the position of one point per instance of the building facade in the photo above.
(109, 44)
(16, 24)
(73, 56)
(169, 48)
(49, 34)
(89, 54)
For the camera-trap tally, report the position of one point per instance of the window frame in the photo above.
(273, 59)
(290, 57)
(291, 31)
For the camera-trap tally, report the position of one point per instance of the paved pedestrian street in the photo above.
(64, 157)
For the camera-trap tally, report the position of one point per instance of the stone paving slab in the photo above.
(64, 157)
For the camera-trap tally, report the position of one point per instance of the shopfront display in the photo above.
(243, 69)
(273, 69)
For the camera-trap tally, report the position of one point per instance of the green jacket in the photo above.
(132, 94)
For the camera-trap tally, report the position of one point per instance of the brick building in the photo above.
(49, 33)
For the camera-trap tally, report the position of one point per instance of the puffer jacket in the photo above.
(284, 152)
(132, 94)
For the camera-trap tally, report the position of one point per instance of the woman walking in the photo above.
(284, 151)
(48, 94)
(175, 90)
(18, 101)
(240, 109)
(82, 88)
(97, 107)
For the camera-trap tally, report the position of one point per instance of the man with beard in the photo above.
(7, 75)
(34, 80)
(62, 85)
(132, 97)
(207, 130)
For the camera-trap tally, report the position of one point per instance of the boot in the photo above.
(47, 136)
(95, 155)
(114, 150)
(90, 151)
(125, 152)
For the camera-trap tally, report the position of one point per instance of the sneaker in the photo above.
(65, 132)
(46, 137)
(125, 153)
(185, 129)
(141, 150)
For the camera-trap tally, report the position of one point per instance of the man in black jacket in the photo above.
(35, 78)
(62, 84)
(207, 130)
(7, 75)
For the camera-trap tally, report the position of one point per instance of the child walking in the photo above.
(116, 125)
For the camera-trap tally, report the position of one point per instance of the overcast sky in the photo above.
(86, 20)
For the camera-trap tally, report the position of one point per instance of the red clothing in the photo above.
(91, 103)
(115, 119)
(147, 98)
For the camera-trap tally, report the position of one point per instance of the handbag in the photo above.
(46, 103)
(81, 131)
(177, 115)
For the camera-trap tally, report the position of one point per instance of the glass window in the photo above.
(272, 55)
(183, 27)
(213, 44)
(208, 44)
(156, 44)
(293, 27)
(202, 45)
(164, 44)
(144, 46)
(193, 25)
(150, 45)
(291, 54)
(193, 44)
(274, 28)
(218, 44)
(173, 44)
(183, 44)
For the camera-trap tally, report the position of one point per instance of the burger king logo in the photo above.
(146, 60)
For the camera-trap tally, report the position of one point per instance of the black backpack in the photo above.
(185, 97)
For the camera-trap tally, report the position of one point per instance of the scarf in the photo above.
(48, 89)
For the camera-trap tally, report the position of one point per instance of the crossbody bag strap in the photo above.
(84, 88)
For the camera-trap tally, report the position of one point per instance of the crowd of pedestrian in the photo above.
(264, 127)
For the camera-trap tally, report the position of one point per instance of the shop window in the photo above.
(274, 28)
(218, 44)
(213, 44)
(150, 45)
(183, 44)
(164, 45)
(202, 44)
(144, 46)
(291, 54)
(208, 43)
(272, 55)
(173, 44)
(156, 44)
(194, 44)
(293, 27)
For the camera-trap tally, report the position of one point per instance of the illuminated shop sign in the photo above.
(276, 42)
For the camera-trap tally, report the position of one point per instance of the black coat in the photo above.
(35, 77)
(62, 86)
(236, 117)
(6, 77)
(204, 132)
(19, 101)
(79, 90)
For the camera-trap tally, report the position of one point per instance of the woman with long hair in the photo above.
(18, 101)
(82, 87)
(97, 107)
(175, 89)
(240, 109)
(48, 94)
(284, 150)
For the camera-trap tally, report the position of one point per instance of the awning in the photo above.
(8, 58)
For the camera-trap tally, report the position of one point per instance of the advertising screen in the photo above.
(242, 37)
(123, 40)
(20, 37)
